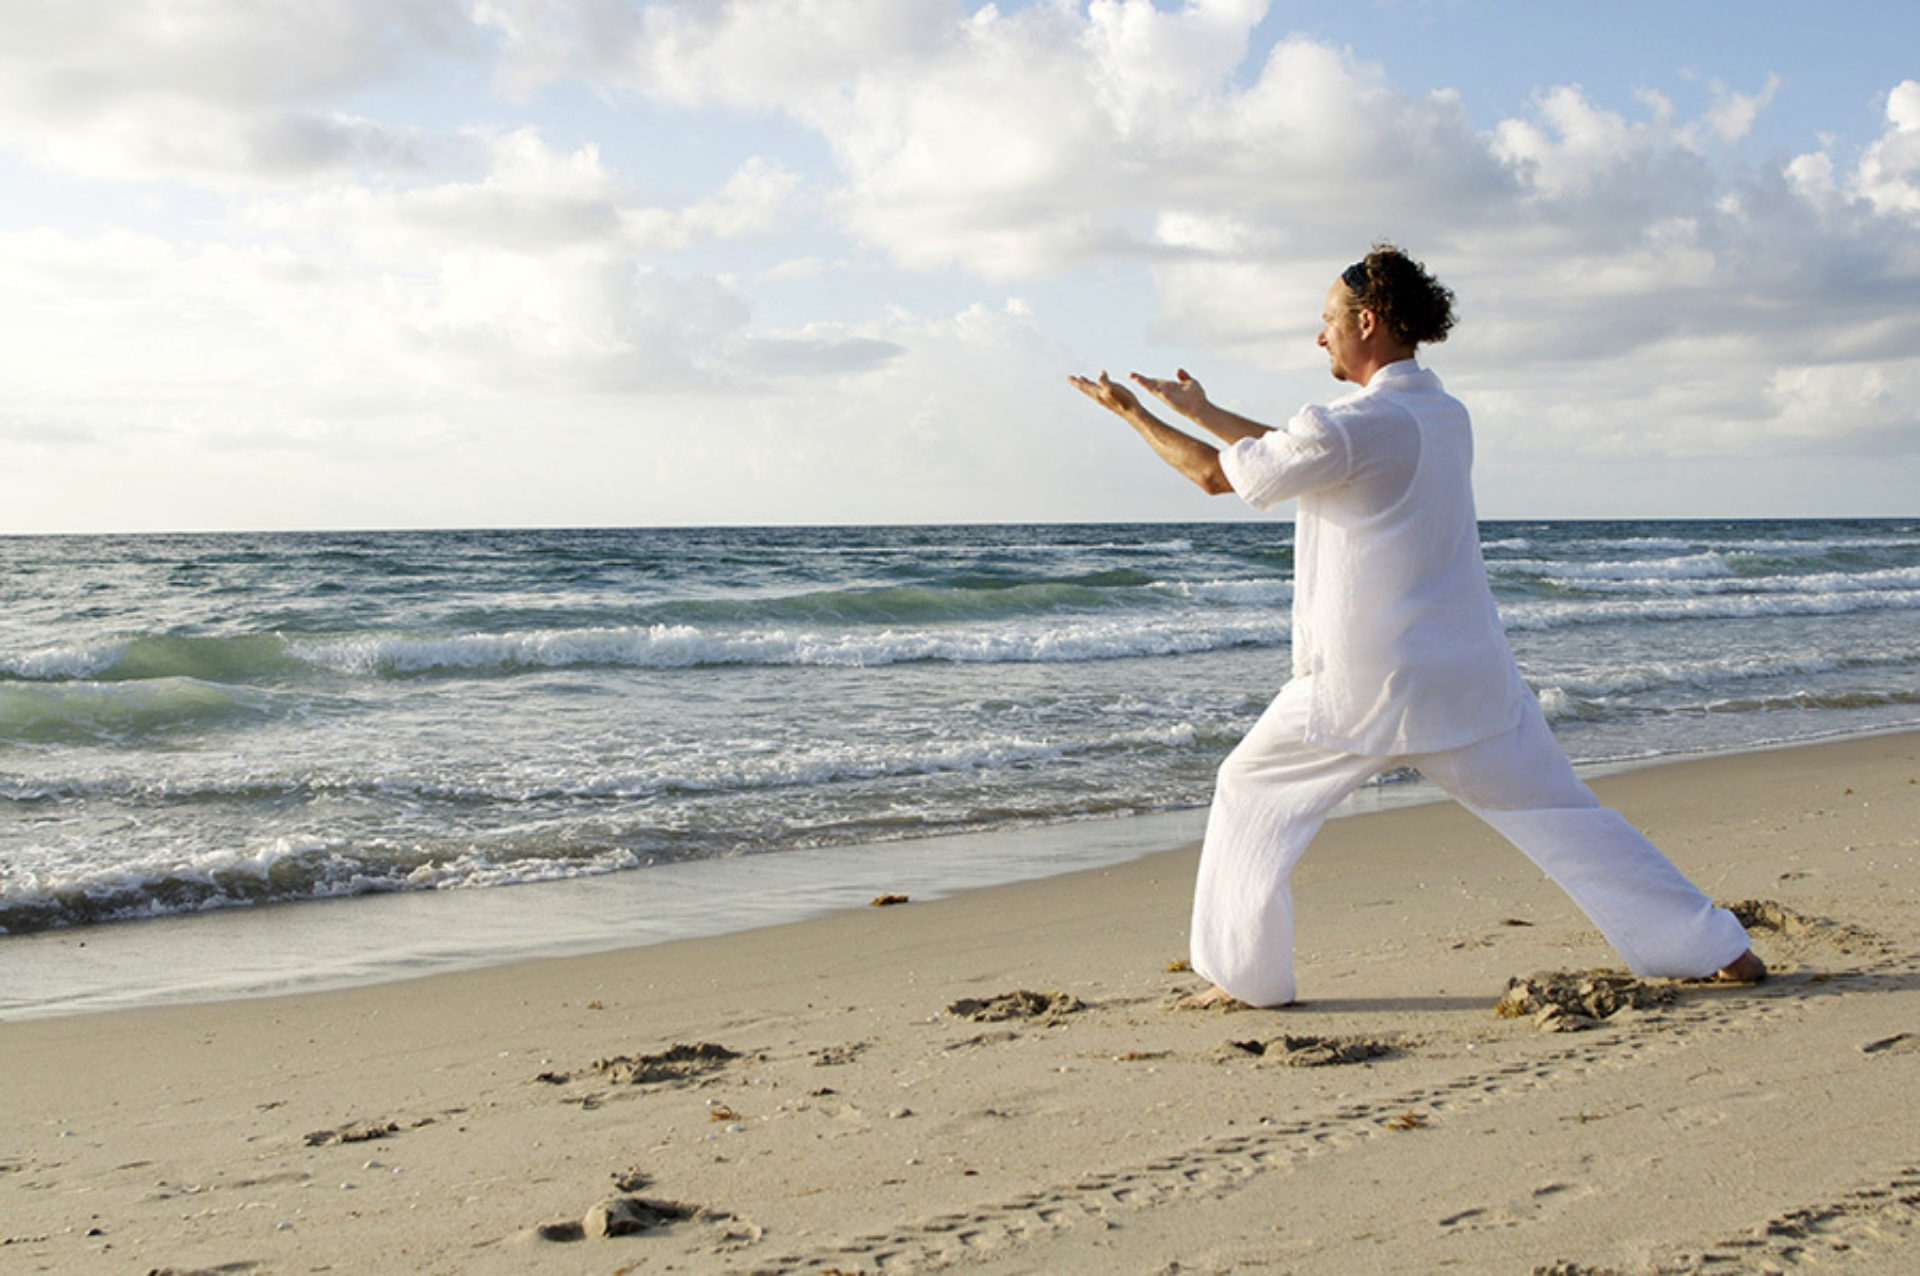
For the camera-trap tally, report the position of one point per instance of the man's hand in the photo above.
(1114, 398)
(1198, 461)
(1183, 394)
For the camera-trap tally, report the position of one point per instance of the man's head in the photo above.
(1380, 309)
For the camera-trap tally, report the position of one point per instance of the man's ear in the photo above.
(1366, 322)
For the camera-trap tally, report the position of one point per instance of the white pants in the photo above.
(1275, 791)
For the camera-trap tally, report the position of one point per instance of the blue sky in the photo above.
(321, 263)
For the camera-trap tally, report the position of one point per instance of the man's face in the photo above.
(1339, 331)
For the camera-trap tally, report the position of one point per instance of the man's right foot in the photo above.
(1745, 969)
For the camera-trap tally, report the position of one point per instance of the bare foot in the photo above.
(1214, 998)
(1745, 969)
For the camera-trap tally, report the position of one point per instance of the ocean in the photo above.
(693, 729)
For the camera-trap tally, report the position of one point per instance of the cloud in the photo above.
(539, 275)
(762, 197)
(1643, 249)
(751, 54)
(1007, 143)
(218, 94)
(540, 270)
(1889, 175)
(1732, 115)
(970, 418)
(1043, 140)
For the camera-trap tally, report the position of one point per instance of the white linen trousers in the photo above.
(1275, 791)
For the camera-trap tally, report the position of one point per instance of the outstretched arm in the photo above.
(1184, 395)
(1197, 460)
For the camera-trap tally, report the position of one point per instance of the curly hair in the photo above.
(1414, 307)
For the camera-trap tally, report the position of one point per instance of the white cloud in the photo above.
(531, 198)
(534, 278)
(1039, 141)
(1731, 116)
(214, 93)
(539, 271)
(972, 420)
(1573, 150)
(1875, 399)
(1890, 170)
(762, 197)
(737, 53)
(1146, 61)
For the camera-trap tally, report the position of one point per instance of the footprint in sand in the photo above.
(361, 1132)
(676, 1064)
(1020, 1004)
(1302, 1051)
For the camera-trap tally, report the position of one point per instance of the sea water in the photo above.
(210, 724)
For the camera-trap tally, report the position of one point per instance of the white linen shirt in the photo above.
(1393, 619)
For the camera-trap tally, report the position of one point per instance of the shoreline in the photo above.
(358, 941)
(821, 1094)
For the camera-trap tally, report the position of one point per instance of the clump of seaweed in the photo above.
(1567, 1001)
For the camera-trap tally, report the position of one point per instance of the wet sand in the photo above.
(996, 1080)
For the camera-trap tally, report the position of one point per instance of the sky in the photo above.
(279, 264)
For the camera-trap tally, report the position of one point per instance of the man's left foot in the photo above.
(1745, 969)
(1214, 998)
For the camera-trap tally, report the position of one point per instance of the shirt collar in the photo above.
(1398, 370)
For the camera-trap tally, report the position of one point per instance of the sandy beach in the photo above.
(997, 1080)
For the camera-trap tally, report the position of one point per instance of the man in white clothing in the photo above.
(1398, 655)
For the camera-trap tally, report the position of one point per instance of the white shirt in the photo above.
(1393, 618)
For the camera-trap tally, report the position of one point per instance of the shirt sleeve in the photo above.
(1308, 453)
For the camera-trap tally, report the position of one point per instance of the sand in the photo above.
(996, 1081)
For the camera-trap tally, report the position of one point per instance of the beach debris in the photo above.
(1902, 1042)
(1570, 1001)
(1515, 921)
(617, 1216)
(1304, 1051)
(1767, 914)
(631, 1179)
(1406, 1121)
(1179, 966)
(1776, 918)
(980, 1039)
(887, 901)
(677, 1063)
(835, 1056)
(357, 1132)
(1315, 1052)
(1020, 1004)
(718, 1111)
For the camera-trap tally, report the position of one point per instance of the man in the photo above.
(1398, 655)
